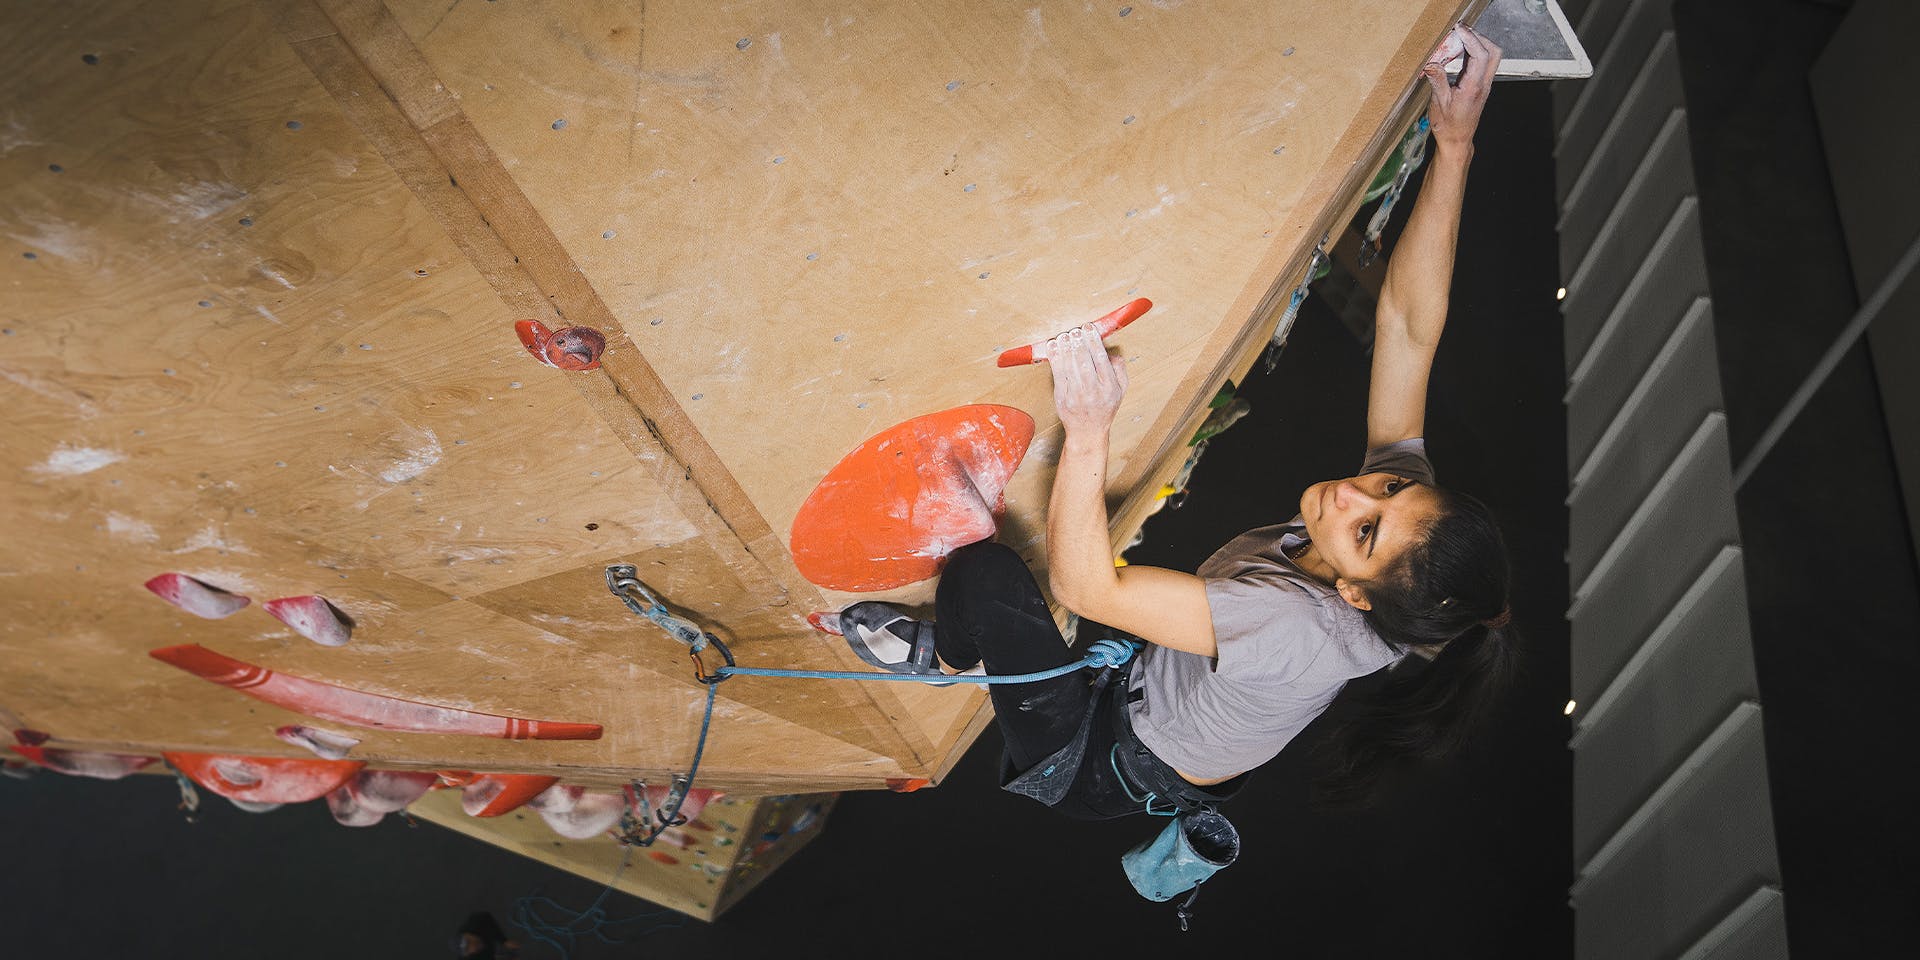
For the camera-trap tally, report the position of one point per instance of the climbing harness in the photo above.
(1412, 152)
(1316, 268)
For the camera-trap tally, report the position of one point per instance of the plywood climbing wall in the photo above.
(264, 260)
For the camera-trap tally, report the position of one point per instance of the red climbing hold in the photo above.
(199, 599)
(492, 794)
(265, 779)
(1107, 327)
(569, 348)
(889, 513)
(359, 708)
(313, 618)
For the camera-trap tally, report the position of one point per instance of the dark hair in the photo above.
(1451, 589)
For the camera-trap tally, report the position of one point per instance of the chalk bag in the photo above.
(1194, 846)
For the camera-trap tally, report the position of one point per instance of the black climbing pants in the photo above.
(989, 607)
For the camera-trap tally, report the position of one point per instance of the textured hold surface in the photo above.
(574, 813)
(361, 709)
(389, 791)
(324, 743)
(889, 512)
(314, 618)
(264, 779)
(492, 794)
(348, 811)
(568, 348)
(199, 599)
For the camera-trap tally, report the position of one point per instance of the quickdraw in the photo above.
(643, 828)
(1316, 268)
(1413, 152)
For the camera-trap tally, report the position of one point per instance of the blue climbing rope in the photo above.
(1101, 653)
(564, 934)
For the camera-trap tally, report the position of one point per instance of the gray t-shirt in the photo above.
(1286, 645)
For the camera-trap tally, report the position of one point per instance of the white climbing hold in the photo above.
(348, 811)
(324, 743)
(313, 618)
(587, 815)
(195, 597)
(390, 791)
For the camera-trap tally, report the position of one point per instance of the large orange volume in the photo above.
(889, 512)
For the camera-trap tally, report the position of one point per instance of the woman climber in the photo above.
(1240, 656)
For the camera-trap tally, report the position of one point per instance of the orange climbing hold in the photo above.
(889, 513)
(1106, 326)
(265, 779)
(492, 794)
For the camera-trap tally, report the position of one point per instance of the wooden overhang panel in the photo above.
(246, 351)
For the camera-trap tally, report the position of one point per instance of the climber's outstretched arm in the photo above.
(1413, 297)
(1161, 606)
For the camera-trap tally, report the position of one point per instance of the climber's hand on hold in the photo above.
(1455, 109)
(1087, 383)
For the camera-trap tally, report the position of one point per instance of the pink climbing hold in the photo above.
(325, 744)
(195, 597)
(313, 618)
(83, 763)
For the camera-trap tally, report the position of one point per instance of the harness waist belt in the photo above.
(1151, 774)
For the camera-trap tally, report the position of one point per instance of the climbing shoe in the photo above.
(885, 637)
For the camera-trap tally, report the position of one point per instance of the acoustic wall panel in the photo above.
(1635, 222)
(1694, 669)
(1692, 854)
(1679, 388)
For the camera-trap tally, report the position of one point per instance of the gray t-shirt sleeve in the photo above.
(1266, 628)
(1407, 458)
